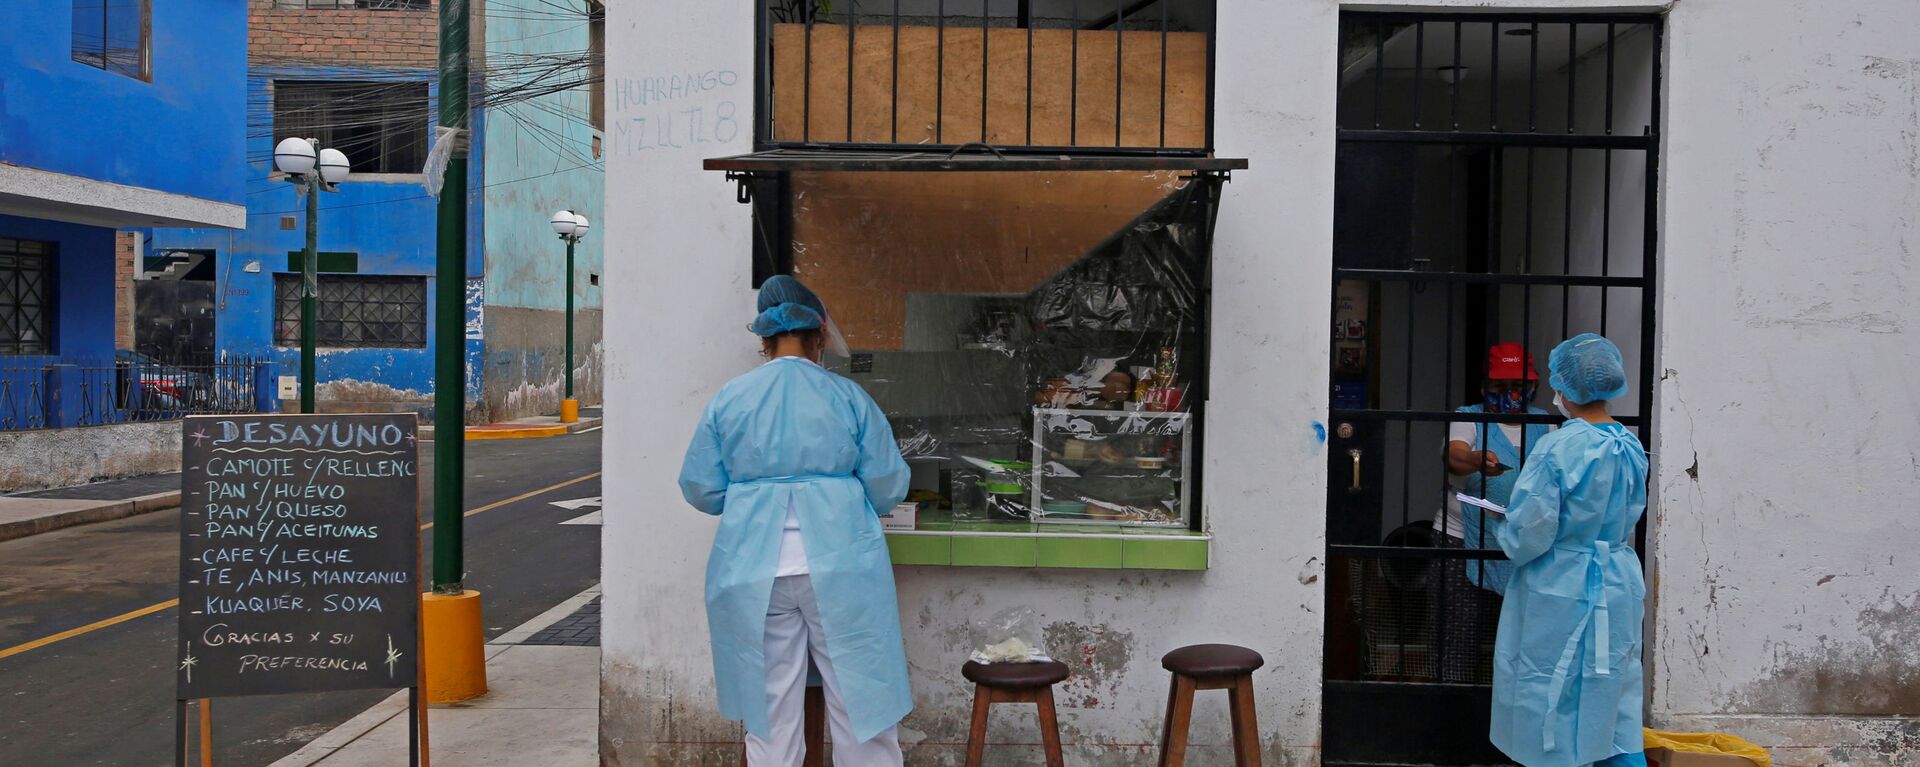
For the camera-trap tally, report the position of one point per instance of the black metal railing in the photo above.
(39, 392)
(1092, 77)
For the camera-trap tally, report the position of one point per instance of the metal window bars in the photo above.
(373, 5)
(355, 311)
(26, 296)
(1095, 77)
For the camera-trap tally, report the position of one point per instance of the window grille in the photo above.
(355, 311)
(26, 296)
(369, 5)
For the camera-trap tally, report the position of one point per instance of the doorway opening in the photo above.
(175, 322)
(1494, 184)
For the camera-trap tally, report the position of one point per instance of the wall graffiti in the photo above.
(674, 111)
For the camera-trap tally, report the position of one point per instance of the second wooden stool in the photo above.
(1014, 683)
(1211, 667)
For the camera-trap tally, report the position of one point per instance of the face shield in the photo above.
(836, 344)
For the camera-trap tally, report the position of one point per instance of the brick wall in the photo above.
(125, 246)
(401, 39)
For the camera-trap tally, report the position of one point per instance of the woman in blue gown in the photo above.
(798, 463)
(1566, 672)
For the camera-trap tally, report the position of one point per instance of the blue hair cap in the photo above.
(786, 318)
(1587, 367)
(783, 289)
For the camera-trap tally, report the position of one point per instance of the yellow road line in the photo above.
(154, 608)
(94, 626)
(522, 497)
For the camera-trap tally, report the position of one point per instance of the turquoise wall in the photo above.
(547, 143)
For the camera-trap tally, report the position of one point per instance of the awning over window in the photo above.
(778, 160)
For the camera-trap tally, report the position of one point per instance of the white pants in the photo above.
(794, 635)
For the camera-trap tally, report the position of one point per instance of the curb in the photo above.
(513, 432)
(105, 511)
(518, 430)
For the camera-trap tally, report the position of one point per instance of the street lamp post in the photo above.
(299, 158)
(571, 227)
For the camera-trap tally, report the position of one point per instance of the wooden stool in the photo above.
(1014, 683)
(815, 727)
(1211, 667)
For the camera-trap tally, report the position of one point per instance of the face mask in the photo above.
(1507, 402)
(1561, 405)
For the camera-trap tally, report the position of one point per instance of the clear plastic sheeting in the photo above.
(1053, 385)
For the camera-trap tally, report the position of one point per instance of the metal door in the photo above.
(1494, 182)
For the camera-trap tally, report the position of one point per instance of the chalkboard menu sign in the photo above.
(299, 554)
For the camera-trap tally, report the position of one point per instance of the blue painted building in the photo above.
(369, 89)
(375, 235)
(114, 115)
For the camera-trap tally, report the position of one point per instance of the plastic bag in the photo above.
(1009, 636)
(446, 141)
(1708, 743)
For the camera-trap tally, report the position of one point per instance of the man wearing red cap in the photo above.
(1483, 460)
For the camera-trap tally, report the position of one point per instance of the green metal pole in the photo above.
(309, 290)
(569, 316)
(450, 316)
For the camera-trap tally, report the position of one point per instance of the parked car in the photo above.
(180, 389)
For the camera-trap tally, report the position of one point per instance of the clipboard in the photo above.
(1481, 503)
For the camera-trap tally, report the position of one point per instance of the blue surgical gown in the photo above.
(790, 432)
(1493, 574)
(1566, 664)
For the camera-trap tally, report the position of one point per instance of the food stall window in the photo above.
(1037, 339)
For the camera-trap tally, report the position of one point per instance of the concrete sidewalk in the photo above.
(542, 707)
(46, 510)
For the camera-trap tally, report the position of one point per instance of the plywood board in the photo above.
(922, 85)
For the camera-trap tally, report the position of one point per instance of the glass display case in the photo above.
(1111, 467)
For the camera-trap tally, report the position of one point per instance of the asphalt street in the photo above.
(106, 696)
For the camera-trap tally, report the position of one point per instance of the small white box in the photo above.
(289, 387)
(903, 515)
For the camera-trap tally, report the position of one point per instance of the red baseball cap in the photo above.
(1504, 360)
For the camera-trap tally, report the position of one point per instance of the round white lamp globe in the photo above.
(580, 226)
(334, 166)
(563, 223)
(293, 155)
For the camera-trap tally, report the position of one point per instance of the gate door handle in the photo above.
(1355, 454)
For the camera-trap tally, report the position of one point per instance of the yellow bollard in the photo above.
(456, 656)
(569, 411)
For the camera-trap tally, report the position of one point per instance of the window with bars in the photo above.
(372, 5)
(355, 311)
(112, 35)
(381, 126)
(26, 296)
(597, 64)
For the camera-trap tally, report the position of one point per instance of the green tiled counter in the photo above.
(939, 541)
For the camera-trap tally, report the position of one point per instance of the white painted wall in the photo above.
(1788, 596)
(679, 257)
(1788, 591)
(678, 280)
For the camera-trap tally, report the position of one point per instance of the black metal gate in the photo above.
(1495, 182)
